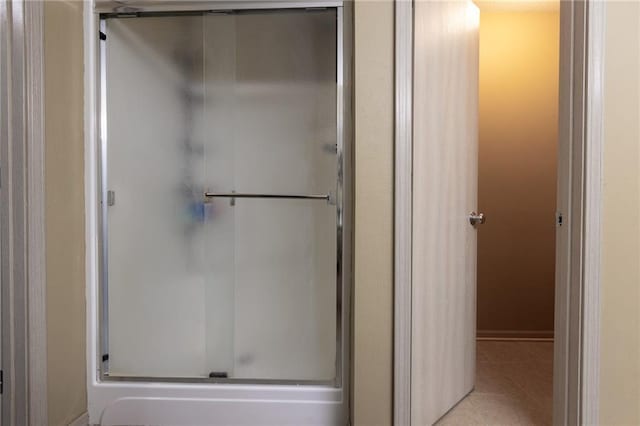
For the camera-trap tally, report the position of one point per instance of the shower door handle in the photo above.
(233, 195)
(326, 197)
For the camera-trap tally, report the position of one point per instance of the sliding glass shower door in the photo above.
(221, 196)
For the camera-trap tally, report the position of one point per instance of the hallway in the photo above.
(514, 384)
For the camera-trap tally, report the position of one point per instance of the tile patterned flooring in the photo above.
(514, 384)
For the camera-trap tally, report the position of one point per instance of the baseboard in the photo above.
(530, 335)
(83, 420)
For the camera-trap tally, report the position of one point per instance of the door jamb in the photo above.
(403, 220)
(581, 138)
(577, 312)
(24, 355)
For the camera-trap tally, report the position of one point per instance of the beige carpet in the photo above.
(514, 384)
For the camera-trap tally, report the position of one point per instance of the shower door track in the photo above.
(131, 7)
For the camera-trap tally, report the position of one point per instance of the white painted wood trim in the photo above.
(36, 262)
(592, 239)
(570, 119)
(23, 204)
(15, 250)
(580, 198)
(403, 211)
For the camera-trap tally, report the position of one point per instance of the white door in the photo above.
(445, 178)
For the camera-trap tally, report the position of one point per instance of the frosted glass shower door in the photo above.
(221, 196)
(155, 283)
(280, 139)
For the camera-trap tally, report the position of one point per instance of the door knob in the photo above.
(476, 218)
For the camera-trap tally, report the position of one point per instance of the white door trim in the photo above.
(577, 314)
(36, 257)
(403, 211)
(578, 269)
(24, 354)
(593, 213)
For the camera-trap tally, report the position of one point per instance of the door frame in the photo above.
(24, 338)
(218, 398)
(577, 307)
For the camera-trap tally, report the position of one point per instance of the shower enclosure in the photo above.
(220, 213)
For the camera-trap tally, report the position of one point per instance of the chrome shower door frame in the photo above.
(98, 261)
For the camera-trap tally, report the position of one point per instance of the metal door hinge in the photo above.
(1, 381)
(559, 219)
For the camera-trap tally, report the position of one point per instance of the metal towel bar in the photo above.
(286, 196)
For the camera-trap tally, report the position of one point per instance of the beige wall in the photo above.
(373, 295)
(372, 320)
(620, 367)
(620, 338)
(64, 211)
(373, 268)
(518, 125)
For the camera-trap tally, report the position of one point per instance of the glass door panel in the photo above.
(221, 287)
(279, 139)
(154, 168)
